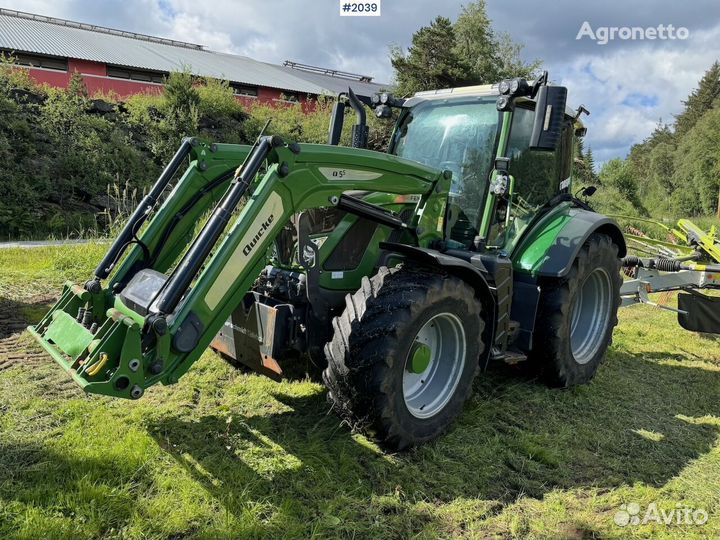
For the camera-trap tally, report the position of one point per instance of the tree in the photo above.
(584, 166)
(475, 42)
(181, 113)
(697, 168)
(700, 100)
(431, 61)
(662, 166)
(77, 87)
(445, 55)
(590, 162)
(509, 62)
(616, 174)
(490, 56)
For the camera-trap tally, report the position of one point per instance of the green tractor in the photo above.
(401, 275)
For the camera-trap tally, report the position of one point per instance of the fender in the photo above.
(551, 246)
(472, 273)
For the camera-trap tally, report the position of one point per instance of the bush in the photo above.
(71, 152)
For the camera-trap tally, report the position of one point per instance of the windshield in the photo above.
(459, 136)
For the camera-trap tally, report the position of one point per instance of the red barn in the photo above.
(127, 63)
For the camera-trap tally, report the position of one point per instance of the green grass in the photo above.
(39, 271)
(225, 454)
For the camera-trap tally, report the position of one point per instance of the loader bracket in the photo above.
(260, 332)
(699, 312)
(188, 334)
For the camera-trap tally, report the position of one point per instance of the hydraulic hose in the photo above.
(125, 238)
(183, 212)
(185, 272)
(669, 265)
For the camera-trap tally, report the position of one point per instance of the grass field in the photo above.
(227, 454)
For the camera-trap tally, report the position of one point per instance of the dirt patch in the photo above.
(15, 316)
(19, 350)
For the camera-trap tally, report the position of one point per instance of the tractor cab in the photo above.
(483, 135)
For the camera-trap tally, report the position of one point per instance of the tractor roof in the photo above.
(478, 90)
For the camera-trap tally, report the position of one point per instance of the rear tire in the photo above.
(404, 354)
(577, 315)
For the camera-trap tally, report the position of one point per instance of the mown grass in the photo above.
(225, 454)
(40, 271)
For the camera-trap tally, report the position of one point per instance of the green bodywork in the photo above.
(124, 356)
(533, 251)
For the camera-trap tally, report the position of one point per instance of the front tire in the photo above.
(577, 315)
(404, 354)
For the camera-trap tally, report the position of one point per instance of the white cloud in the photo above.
(191, 28)
(628, 86)
(612, 85)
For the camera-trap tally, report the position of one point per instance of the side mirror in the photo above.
(549, 117)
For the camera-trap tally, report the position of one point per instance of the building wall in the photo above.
(94, 75)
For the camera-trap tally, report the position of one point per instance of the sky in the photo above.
(628, 85)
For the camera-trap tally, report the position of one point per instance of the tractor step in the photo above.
(509, 357)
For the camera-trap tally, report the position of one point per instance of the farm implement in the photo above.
(687, 261)
(399, 274)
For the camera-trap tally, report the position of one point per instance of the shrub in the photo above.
(68, 150)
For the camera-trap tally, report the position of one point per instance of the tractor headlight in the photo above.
(499, 184)
(504, 87)
(519, 87)
(383, 111)
(384, 98)
(503, 103)
(375, 99)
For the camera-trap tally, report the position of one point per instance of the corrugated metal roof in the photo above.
(335, 85)
(20, 32)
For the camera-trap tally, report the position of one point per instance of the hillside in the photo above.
(673, 173)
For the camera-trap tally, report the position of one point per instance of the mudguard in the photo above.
(550, 248)
(473, 273)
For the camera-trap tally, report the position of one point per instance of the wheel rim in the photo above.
(434, 365)
(590, 316)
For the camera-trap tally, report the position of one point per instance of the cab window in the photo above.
(539, 176)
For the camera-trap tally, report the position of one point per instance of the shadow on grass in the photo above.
(639, 421)
(36, 476)
(299, 473)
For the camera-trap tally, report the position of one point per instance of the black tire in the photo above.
(372, 340)
(561, 363)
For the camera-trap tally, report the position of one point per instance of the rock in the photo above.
(27, 96)
(99, 106)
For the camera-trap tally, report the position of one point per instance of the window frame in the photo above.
(37, 61)
(125, 73)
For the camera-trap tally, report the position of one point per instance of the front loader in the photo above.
(400, 274)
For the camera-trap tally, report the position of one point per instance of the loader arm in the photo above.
(162, 306)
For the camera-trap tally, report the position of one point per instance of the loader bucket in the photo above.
(100, 348)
